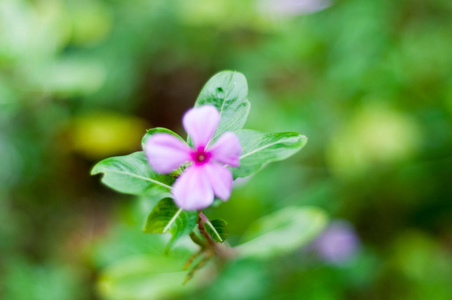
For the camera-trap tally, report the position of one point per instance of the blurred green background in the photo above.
(369, 83)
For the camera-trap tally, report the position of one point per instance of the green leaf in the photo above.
(144, 277)
(152, 131)
(259, 149)
(228, 92)
(166, 217)
(217, 229)
(131, 174)
(282, 232)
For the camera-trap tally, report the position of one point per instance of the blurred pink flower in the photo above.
(338, 243)
(292, 7)
(207, 174)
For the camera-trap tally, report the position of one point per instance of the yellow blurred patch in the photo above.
(101, 134)
(375, 135)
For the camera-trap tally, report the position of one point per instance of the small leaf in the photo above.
(131, 174)
(217, 229)
(259, 149)
(167, 217)
(152, 131)
(282, 232)
(228, 92)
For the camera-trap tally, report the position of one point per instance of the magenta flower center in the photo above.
(201, 156)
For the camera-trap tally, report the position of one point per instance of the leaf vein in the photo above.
(259, 149)
(173, 219)
(141, 177)
(226, 95)
(215, 231)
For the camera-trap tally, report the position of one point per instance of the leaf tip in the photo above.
(95, 170)
(303, 139)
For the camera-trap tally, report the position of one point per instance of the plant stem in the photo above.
(222, 251)
(197, 240)
(202, 219)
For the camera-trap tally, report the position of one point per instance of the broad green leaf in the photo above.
(152, 131)
(217, 229)
(166, 217)
(282, 232)
(259, 149)
(228, 92)
(131, 174)
(144, 277)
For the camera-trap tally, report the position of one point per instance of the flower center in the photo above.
(200, 156)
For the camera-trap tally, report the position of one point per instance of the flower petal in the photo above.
(220, 179)
(165, 152)
(227, 150)
(201, 123)
(192, 189)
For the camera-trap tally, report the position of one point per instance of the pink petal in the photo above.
(227, 150)
(166, 152)
(201, 123)
(220, 179)
(192, 189)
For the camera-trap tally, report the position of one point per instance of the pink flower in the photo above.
(207, 175)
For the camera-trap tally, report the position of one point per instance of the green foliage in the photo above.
(166, 217)
(143, 277)
(228, 92)
(282, 232)
(259, 149)
(131, 174)
(217, 229)
(369, 83)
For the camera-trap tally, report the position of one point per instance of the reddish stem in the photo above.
(222, 251)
